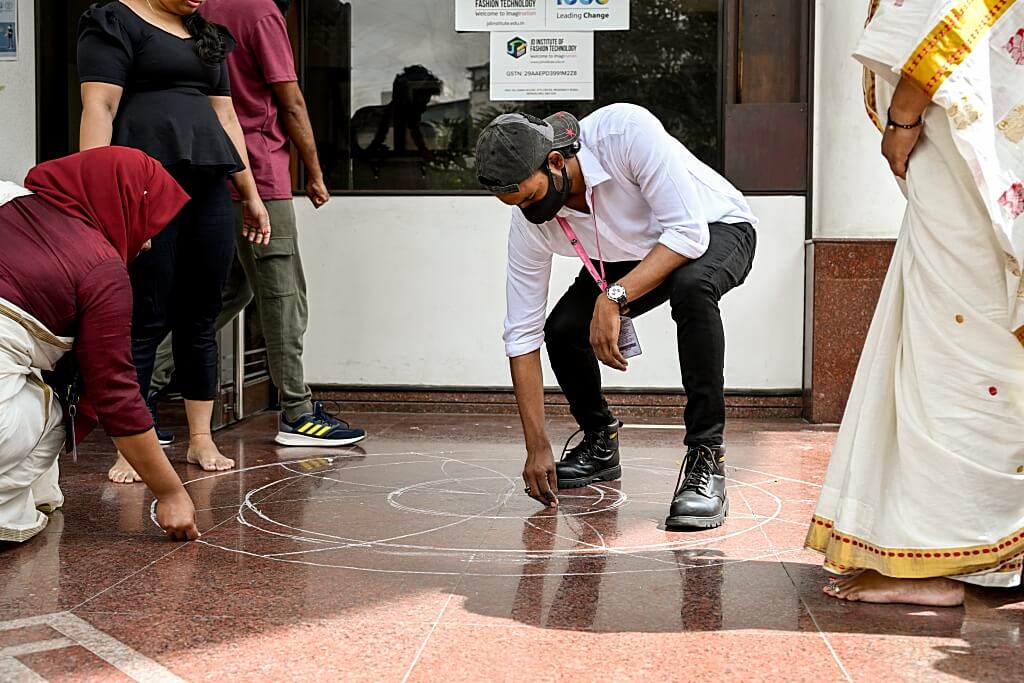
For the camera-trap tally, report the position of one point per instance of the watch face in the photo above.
(616, 292)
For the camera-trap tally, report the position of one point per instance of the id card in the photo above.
(629, 343)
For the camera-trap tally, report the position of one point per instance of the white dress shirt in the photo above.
(643, 186)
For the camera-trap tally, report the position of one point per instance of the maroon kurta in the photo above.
(69, 277)
(63, 258)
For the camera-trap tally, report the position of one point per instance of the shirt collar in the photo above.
(593, 172)
(593, 175)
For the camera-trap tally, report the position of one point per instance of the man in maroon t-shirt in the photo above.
(272, 111)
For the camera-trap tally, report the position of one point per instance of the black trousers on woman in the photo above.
(177, 285)
(694, 291)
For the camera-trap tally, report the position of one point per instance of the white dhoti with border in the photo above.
(31, 424)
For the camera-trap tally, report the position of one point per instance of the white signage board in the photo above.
(500, 15)
(546, 65)
(9, 30)
(539, 15)
(587, 15)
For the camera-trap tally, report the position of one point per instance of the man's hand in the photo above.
(604, 333)
(177, 516)
(255, 221)
(317, 192)
(540, 477)
(897, 145)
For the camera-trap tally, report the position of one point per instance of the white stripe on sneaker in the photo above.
(292, 439)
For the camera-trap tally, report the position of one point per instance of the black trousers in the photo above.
(694, 291)
(177, 284)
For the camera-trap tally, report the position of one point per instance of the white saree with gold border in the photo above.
(31, 429)
(927, 475)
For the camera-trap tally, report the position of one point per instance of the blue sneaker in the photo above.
(318, 428)
(164, 437)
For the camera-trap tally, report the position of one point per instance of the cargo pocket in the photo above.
(275, 265)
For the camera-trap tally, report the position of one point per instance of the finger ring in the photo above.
(836, 588)
(527, 490)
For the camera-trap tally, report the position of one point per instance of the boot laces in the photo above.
(698, 469)
(584, 450)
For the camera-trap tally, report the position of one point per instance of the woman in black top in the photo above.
(153, 77)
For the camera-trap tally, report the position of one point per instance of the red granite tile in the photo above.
(73, 665)
(52, 572)
(928, 659)
(847, 280)
(628, 404)
(703, 592)
(27, 634)
(201, 580)
(473, 653)
(220, 648)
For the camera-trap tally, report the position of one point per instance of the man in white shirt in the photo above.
(658, 225)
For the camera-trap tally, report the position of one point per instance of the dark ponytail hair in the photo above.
(209, 38)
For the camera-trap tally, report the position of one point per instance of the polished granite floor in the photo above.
(416, 557)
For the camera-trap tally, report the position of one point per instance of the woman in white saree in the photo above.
(925, 488)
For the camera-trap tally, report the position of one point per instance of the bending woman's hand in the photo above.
(174, 510)
(176, 515)
(255, 221)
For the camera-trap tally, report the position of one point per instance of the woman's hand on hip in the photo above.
(255, 221)
(908, 105)
(897, 146)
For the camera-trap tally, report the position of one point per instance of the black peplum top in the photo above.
(165, 109)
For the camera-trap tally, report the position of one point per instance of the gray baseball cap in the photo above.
(515, 146)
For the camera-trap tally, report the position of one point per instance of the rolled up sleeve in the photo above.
(665, 182)
(526, 292)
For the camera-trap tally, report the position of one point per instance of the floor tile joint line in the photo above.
(430, 633)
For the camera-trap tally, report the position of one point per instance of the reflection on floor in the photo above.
(416, 557)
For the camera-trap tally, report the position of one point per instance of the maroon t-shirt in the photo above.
(69, 277)
(263, 57)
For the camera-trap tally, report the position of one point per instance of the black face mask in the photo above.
(283, 5)
(546, 208)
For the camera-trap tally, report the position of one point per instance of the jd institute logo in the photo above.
(517, 47)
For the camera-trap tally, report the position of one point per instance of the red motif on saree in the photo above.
(1016, 47)
(1012, 200)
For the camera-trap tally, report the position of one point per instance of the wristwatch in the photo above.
(617, 293)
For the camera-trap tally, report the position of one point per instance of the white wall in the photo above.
(410, 291)
(854, 192)
(18, 101)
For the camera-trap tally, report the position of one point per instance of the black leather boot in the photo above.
(700, 501)
(595, 458)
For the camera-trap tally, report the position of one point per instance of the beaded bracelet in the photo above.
(892, 125)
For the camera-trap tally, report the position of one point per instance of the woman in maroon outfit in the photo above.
(67, 238)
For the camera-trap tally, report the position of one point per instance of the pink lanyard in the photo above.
(599, 278)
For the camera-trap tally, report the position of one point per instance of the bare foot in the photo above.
(203, 451)
(122, 472)
(870, 586)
